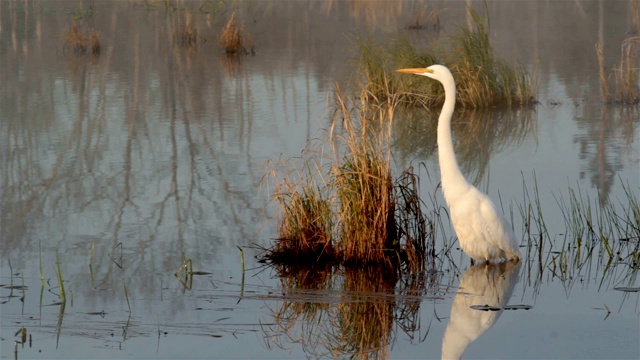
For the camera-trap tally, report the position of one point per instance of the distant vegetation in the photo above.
(483, 80)
(626, 88)
(233, 38)
(77, 42)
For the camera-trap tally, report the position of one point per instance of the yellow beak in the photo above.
(415, 70)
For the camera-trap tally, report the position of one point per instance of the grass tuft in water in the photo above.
(306, 225)
(344, 204)
(600, 240)
(626, 88)
(483, 80)
(233, 38)
(79, 43)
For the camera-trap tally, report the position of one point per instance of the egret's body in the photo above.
(483, 232)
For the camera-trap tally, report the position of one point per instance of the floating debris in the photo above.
(627, 289)
(518, 307)
(485, 307)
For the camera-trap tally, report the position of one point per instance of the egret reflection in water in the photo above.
(484, 291)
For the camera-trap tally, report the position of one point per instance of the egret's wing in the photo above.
(497, 229)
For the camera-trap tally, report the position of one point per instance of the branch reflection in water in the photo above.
(484, 291)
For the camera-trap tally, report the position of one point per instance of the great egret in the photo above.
(483, 232)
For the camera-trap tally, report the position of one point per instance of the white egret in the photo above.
(483, 232)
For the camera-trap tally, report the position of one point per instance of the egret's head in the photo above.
(437, 72)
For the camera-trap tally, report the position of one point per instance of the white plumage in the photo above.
(483, 232)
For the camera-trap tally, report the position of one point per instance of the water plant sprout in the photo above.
(483, 232)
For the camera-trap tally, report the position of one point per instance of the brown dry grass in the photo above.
(74, 39)
(345, 205)
(79, 44)
(232, 38)
(626, 88)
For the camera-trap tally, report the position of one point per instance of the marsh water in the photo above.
(115, 168)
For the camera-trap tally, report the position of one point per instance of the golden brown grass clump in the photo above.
(79, 44)
(232, 38)
(346, 206)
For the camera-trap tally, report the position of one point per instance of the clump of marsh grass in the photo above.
(483, 80)
(79, 43)
(74, 39)
(306, 224)
(344, 205)
(362, 181)
(626, 88)
(233, 38)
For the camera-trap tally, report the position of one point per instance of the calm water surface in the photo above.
(122, 164)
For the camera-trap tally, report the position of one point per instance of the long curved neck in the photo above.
(452, 179)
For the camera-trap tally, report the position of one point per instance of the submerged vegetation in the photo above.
(483, 80)
(599, 241)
